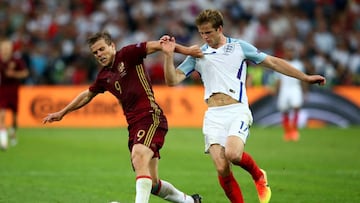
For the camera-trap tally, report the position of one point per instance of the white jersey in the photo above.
(287, 82)
(290, 91)
(223, 70)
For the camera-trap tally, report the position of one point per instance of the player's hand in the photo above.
(167, 44)
(195, 51)
(10, 70)
(165, 38)
(316, 79)
(53, 117)
(10, 73)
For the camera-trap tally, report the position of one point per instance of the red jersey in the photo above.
(9, 86)
(129, 82)
(15, 63)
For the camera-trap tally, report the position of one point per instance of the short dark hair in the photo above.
(98, 36)
(210, 16)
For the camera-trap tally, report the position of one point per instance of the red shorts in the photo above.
(9, 98)
(150, 133)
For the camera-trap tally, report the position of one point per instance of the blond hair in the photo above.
(214, 17)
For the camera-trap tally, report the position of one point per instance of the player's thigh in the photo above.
(9, 97)
(148, 134)
(2, 116)
(240, 128)
(297, 100)
(283, 102)
(214, 132)
(217, 153)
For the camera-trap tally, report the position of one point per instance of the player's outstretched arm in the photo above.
(153, 46)
(17, 74)
(284, 67)
(81, 100)
(193, 50)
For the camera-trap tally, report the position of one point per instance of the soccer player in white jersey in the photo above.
(228, 117)
(290, 95)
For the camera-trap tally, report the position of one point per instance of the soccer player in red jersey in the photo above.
(12, 71)
(123, 75)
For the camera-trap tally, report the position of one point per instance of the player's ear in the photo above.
(113, 45)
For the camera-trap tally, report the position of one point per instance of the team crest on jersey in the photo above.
(229, 48)
(121, 69)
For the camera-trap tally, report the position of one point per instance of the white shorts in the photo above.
(289, 99)
(221, 122)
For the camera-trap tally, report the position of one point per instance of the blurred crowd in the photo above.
(51, 34)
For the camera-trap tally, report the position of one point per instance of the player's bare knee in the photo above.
(138, 160)
(233, 156)
(223, 169)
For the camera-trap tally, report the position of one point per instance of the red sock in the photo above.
(295, 119)
(248, 164)
(231, 188)
(286, 122)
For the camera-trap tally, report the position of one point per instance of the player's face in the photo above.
(210, 35)
(289, 53)
(103, 52)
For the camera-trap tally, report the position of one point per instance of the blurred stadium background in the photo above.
(50, 35)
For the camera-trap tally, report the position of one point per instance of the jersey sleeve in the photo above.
(188, 65)
(96, 88)
(252, 53)
(135, 52)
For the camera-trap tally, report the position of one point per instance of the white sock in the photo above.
(11, 132)
(143, 189)
(3, 139)
(170, 193)
(12, 136)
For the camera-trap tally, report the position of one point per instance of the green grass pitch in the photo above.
(51, 165)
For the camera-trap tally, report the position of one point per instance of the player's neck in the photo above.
(112, 61)
(221, 42)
